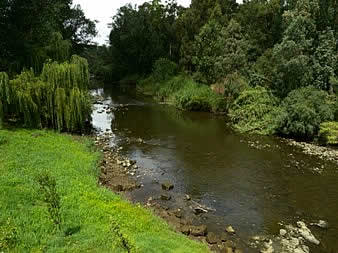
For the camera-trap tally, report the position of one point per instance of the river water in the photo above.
(254, 183)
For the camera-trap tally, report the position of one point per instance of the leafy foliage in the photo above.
(164, 69)
(254, 111)
(32, 30)
(328, 133)
(304, 110)
(58, 98)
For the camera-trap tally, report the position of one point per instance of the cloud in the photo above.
(104, 10)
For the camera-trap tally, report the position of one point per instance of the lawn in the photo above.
(93, 219)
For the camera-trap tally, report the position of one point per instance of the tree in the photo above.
(140, 36)
(325, 61)
(30, 28)
(219, 51)
(294, 54)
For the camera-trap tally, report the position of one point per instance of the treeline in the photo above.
(43, 84)
(273, 64)
(33, 31)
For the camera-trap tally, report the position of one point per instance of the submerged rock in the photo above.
(167, 186)
(212, 238)
(198, 230)
(321, 224)
(306, 233)
(230, 230)
(165, 197)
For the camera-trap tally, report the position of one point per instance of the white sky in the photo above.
(104, 10)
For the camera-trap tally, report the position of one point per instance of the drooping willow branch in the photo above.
(57, 99)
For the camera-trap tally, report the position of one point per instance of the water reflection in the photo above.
(252, 189)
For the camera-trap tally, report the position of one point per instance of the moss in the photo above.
(93, 218)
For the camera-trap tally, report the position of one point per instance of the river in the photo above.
(254, 183)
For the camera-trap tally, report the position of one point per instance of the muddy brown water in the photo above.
(254, 183)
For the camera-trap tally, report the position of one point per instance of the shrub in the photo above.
(231, 87)
(197, 97)
(255, 111)
(304, 110)
(163, 69)
(328, 133)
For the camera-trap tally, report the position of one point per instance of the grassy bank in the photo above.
(92, 219)
(184, 93)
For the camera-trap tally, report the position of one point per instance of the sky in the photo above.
(104, 10)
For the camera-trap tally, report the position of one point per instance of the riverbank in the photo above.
(185, 94)
(118, 174)
(51, 201)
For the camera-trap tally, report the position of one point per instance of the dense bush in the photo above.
(58, 98)
(184, 93)
(328, 133)
(255, 111)
(164, 69)
(304, 110)
(198, 97)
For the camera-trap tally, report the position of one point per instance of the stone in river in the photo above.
(165, 197)
(230, 230)
(167, 186)
(212, 238)
(198, 230)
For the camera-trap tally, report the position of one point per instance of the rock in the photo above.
(306, 233)
(187, 197)
(268, 247)
(227, 250)
(135, 167)
(198, 230)
(185, 229)
(224, 237)
(165, 197)
(321, 224)
(212, 238)
(230, 230)
(282, 232)
(167, 186)
(199, 210)
(178, 213)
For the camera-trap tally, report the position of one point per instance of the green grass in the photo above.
(93, 218)
(184, 93)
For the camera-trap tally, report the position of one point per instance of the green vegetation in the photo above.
(184, 93)
(254, 111)
(55, 182)
(329, 133)
(58, 98)
(304, 110)
(288, 48)
(35, 31)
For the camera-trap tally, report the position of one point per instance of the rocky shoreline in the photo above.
(324, 153)
(118, 174)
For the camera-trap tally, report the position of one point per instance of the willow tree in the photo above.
(57, 99)
(4, 92)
